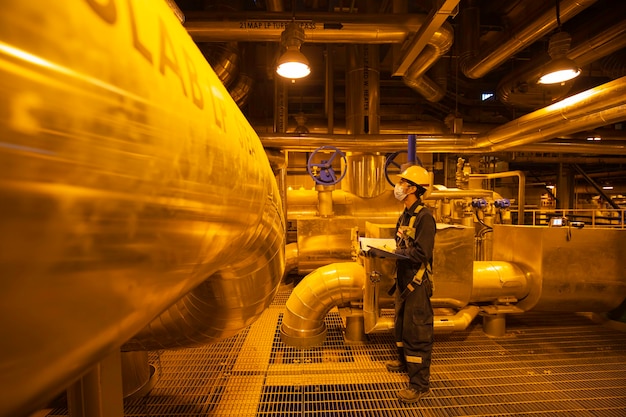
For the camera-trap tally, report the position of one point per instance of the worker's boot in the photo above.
(397, 365)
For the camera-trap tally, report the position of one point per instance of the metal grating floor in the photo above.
(545, 365)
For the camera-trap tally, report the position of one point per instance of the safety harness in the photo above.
(409, 231)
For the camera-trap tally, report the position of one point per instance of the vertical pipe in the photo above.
(411, 150)
(330, 81)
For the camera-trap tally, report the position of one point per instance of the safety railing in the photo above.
(600, 218)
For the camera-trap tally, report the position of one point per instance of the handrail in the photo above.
(596, 218)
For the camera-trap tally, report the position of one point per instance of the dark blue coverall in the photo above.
(414, 313)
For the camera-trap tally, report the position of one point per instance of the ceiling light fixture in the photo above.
(292, 63)
(560, 68)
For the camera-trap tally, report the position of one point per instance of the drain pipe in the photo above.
(333, 285)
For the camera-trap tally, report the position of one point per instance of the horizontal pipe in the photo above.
(495, 54)
(589, 109)
(318, 27)
(459, 321)
(495, 280)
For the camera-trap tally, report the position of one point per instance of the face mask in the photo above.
(398, 192)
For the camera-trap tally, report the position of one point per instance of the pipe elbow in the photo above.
(330, 286)
(460, 321)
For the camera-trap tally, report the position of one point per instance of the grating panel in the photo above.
(545, 365)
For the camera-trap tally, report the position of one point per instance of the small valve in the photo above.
(502, 203)
(479, 203)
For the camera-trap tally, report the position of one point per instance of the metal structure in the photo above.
(140, 210)
(138, 207)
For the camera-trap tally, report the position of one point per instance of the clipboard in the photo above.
(381, 248)
(380, 253)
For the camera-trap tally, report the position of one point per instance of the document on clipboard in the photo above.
(383, 248)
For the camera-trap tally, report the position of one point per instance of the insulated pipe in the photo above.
(495, 281)
(601, 45)
(475, 65)
(129, 179)
(334, 285)
(318, 27)
(338, 28)
(586, 110)
(595, 107)
(456, 322)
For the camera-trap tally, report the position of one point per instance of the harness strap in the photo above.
(418, 278)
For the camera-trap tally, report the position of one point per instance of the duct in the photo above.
(240, 92)
(476, 65)
(601, 45)
(333, 285)
(614, 66)
(112, 212)
(224, 59)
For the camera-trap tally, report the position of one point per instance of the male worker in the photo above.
(415, 239)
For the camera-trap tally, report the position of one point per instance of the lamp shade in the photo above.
(293, 64)
(559, 70)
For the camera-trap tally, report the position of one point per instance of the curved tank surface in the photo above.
(131, 183)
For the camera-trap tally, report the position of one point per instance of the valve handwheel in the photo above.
(391, 161)
(322, 172)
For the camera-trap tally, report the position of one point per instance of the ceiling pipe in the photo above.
(319, 27)
(573, 148)
(434, 22)
(589, 109)
(601, 45)
(430, 144)
(339, 28)
(364, 143)
(599, 106)
(476, 65)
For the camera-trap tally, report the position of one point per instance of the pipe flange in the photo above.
(303, 341)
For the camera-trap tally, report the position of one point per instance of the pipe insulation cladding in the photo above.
(131, 184)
